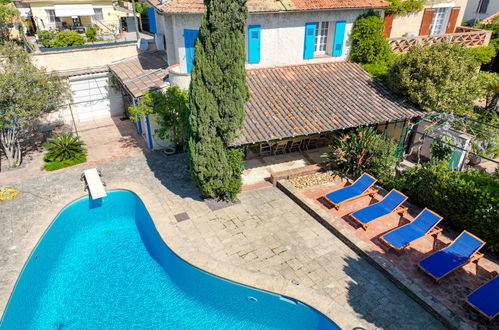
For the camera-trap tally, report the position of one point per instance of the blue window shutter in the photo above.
(310, 30)
(254, 32)
(152, 20)
(339, 38)
(190, 37)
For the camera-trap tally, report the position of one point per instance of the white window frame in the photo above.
(50, 18)
(445, 12)
(321, 37)
(94, 17)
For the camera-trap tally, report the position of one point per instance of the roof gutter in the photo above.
(280, 11)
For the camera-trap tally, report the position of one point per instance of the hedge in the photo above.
(467, 200)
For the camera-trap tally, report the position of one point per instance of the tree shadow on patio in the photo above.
(378, 301)
(173, 173)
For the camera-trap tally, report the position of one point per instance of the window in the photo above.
(50, 15)
(321, 33)
(482, 6)
(440, 20)
(99, 15)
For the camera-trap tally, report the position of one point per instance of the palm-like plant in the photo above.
(363, 150)
(64, 146)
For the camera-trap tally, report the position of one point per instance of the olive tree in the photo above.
(26, 93)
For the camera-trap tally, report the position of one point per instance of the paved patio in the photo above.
(106, 139)
(260, 168)
(266, 234)
(452, 290)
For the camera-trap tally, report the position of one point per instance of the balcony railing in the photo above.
(465, 36)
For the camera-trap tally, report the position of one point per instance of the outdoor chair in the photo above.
(392, 203)
(363, 186)
(313, 142)
(463, 250)
(295, 145)
(280, 147)
(265, 149)
(424, 225)
(485, 299)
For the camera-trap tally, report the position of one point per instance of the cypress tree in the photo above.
(217, 97)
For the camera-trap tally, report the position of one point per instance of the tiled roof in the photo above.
(142, 72)
(314, 98)
(197, 6)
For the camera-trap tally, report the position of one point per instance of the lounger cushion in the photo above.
(418, 228)
(343, 194)
(453, 256)
(442, 262)
(357, 188)
(384, 207)
(486, 298)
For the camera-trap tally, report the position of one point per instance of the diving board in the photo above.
(94, 183)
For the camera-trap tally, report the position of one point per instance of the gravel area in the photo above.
(315, 179)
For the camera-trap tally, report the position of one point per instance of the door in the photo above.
(93, 97)
(439, 22)
(130, 23)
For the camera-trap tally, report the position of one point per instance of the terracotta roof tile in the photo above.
(197, 6)
(309, 99)
(141, 73)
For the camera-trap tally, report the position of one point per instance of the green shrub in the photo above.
(91, 34)
(483, 54)
(64, 147)
(442, 78)
(46, 38)
(67, 39)
(363, 150)
(52, 166)
(369, 44)
(405, 6)
(466, 200)
(378, 70)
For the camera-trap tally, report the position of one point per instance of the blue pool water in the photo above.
(104, 266)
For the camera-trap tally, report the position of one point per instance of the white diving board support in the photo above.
(94, 183)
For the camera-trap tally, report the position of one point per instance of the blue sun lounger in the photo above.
(388, 205)
(463, 250)
(363, 186)
(485, 299)
(424, 225)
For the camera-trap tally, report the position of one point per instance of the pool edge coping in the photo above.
(166, 225)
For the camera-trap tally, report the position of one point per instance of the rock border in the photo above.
(401, 280)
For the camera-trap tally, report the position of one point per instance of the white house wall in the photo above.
(282, 35)
(471, 10)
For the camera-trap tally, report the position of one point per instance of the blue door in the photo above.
(339, 38)
(152, 20)
(310, 30)
(254, 43)
(190, 37)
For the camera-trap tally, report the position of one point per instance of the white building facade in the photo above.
(477, 10)
(277, 38)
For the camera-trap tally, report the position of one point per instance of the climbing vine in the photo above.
(405, 6)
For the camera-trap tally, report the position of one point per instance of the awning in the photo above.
(73, 10)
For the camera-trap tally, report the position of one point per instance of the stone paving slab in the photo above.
(266, 241)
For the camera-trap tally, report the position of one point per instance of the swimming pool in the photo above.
(103, 265)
